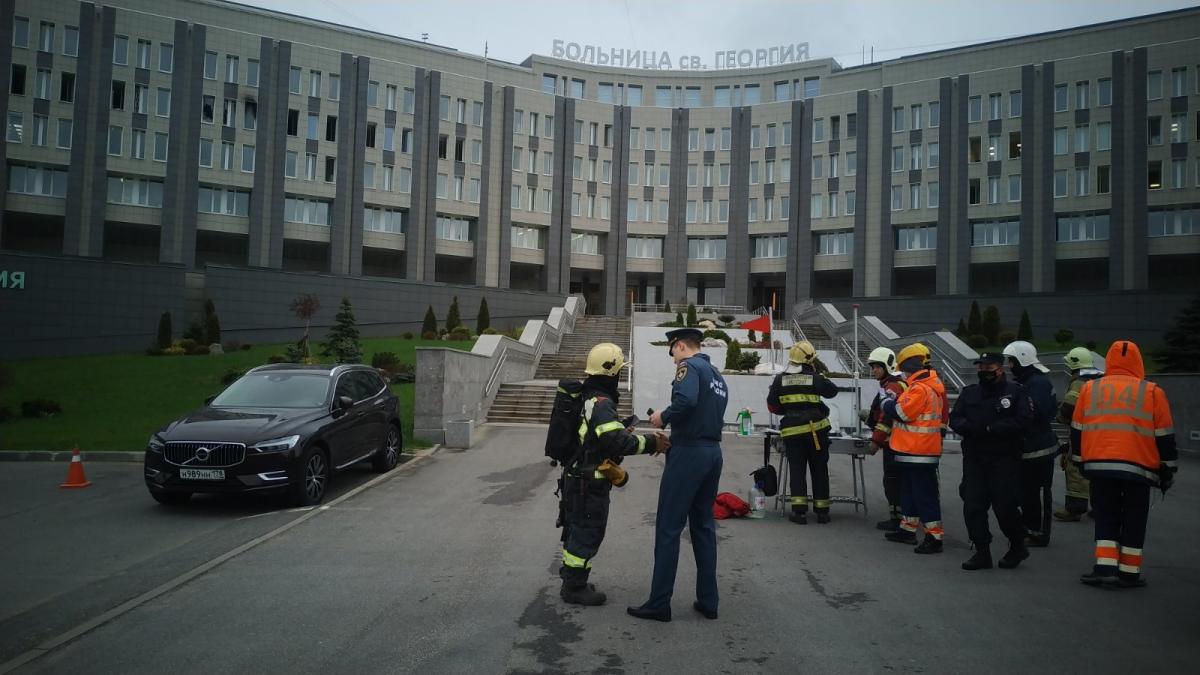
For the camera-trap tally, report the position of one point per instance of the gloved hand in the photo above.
(1166, 478)
(887, 393)
(864, 414)
(662, 443)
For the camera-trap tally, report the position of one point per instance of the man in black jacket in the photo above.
(992, 417)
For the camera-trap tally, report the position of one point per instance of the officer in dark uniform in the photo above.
(796, 394)
(689, 483)
(589, 478)
(992, 418)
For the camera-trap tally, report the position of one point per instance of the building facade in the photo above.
(197, 133)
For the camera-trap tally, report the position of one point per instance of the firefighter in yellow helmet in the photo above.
(796, 394)
(1083, 368)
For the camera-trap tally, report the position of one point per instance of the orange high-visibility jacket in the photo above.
(920, 410)
(1123, 421)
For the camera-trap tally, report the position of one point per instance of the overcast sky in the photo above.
(514, 29)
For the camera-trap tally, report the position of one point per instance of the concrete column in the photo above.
(885, 195)
(1034, 179)
(948, 188)
(265, 247)
(737, 239)
(800, 248)
(675, 244)
(487, 227)
(507, 95)
(346, 214)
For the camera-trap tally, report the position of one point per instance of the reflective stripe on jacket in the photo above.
(917, 433)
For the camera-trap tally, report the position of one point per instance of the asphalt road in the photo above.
(450, 566)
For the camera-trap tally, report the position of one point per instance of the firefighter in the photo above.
(991, 417)
(604, 440)
(882, 362)
(796, 394)
(1041, 445)
(917, 416)
(1083, 368)
(1122, 423)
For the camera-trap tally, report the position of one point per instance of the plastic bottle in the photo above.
(758, 502)
(744, 423)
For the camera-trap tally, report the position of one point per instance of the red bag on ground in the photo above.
(729, 505)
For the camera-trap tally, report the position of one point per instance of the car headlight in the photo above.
(276, 444)
(155, 444)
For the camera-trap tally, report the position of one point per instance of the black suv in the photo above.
(281, 428)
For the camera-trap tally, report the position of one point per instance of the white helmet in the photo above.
(1025, 355)
(884, 357)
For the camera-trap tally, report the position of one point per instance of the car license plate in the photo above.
(202, 474)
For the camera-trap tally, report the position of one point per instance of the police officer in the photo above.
(796, 394)
(689, 483)
(1083, 368)
(1041, 445)
(991, 417)
(882, 362)
(604, 440)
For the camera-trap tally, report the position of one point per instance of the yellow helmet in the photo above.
(802, 353)
(913, 350)
(605, 359)
(1079, 357)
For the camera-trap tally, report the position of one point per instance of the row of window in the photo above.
(665, 96)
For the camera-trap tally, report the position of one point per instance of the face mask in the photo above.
(988, 377)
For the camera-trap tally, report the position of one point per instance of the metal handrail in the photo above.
(629, 382)
(854, 360)
(716, 309)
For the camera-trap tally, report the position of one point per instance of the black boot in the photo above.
(982, 560)
(577, 593)
(929, 545)
(644, 612)
(889, 525)
(799, 517)
(1016, 553)
(823, 518)
(902, 536)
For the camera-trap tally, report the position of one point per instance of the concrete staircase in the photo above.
(821, 339)
(530, 401)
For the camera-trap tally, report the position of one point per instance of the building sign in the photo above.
(13, 280)
(656, 60)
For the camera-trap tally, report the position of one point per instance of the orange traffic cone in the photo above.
(75, 477)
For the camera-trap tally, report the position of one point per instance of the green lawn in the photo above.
(115, 401)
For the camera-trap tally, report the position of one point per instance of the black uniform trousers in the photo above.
(803, 455)
(1037, 500)
(991, 480)
(1121, 508)
(585, 519)
(891, 484)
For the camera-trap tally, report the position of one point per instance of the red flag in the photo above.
(761, 324)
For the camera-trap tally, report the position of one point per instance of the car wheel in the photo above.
(389, 455)
(314, 479)
(171, 498)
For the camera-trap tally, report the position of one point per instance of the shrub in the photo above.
(404, 373)
(154, 350)
(453, 320)
(385, 361)
(671, 324)
(489, 331)
(460, 334)
(199, 350)
(961, 331)
(429, 335)
(185, 344)
(40, 407)
(667, 307)
(483, 320)
(678, 318)
(1007, 337)
(733, 357)
(297, 353)
(174, 350)
(195, 332)
(974, 320)
(164, 330)
(246, 347)
(991, 324)
(342, 342)
(232, 345)
(749, 360)
(277, 358)
(1064, 335)
(429, 324)
(212, 324)
(232, 375)
(977, 341)
(1178, 353)
(726, 319)
(691, 315)
(718, 334)
(516, 332)
(5, 414)
(1025, 331)
(408, 335)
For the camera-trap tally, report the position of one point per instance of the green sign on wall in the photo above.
(13, 280)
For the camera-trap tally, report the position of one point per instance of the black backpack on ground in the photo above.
(562, 436)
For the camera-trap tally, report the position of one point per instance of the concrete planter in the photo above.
(459, 433)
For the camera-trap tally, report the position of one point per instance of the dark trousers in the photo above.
(919, 491)
(685, 496)
(585, 519)
(803, 455)
(891, 484)
(992, 480)
(1121, 508)
(1037, 501)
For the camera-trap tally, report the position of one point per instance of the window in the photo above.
(231, 69)
(115, 140)
(472, 192)
(377, 219)
(897, 119)
(1014, 188)
(1060, 141)
(1082, 181)
(291, 158)
(726, 138)
(223, 202)
(331, 128)
(310, 166)
(135, 192)
(141, 98)
(166, 57)
(1104, 92)
(754, 173)
(16, 127)
(207, 104)
(137, 142)
(812, 87)
(1104, 136)
(935, 155)
(162, 106)
(973, 192)
(1014, 103)
(41, 86)
(851, 203)
(143, 53)
(443, 186)
(770, 171)
(309, 211)
(294, 80)
(252, 72)
(916, 238)
(330, 169)
(1103, 180)
(851, 163)
(40, 123)
(1178, 128)
(248, 158)
(226, 156)
(914, 116)
(974, 109)
(206, 152)
(335, 87)
(1154, 85)
(71, 41)
(210, 65)
(818, 167)
(405, 179)
(835, 243)
(1060, 183)
(724, 173)
(34, 180)
(818, 134)
(229, 113)
(121, 50)
(21, 32)
(722, 210)
(65, 132)
(458, 188)
(314, 83)
(755, 137)
(993, 188)
(1083, 96)
(1060, 98)
(993, 149)
(1083, 136)
(898, 158)
(974, 149)
(605, 171)
(633, 95)
(994, 106)
(406, 140)
(914, 157)
(785, 169)
(996, 233)
(46, 37)
(1082, 227)
(897, 197)
(1178, 173)
(935, 195)
(770, 247)
(118, 95)
(408, 101)
(706, 248)
(721, 97)
(1169, 222)
(1154, 130)
(1179, 81)
(526, 237)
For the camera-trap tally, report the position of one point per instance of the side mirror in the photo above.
(209, 400)
(342, 403)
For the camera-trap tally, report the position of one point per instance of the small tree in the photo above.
(974, 320)
(678, 318)
(305, 306)
(212, 324)
(733, 356)
(1181, 343)
(961, 331)
(691, 315)
(452, 318)
(342, 342)
(991, 324)
(1025, 331)
(1064, 335)
(667, 306)
(164, 330)
(483, 320)
(429, 325)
